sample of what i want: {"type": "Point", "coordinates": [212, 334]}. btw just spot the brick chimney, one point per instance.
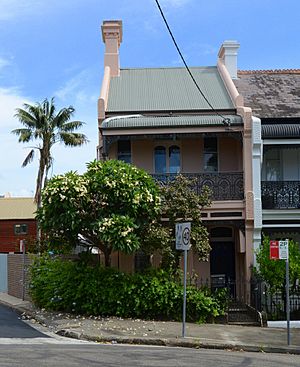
{"type": "Point", "coordinates": [112, 37]}
{"type": "Point", "coordinates": [228, 56]}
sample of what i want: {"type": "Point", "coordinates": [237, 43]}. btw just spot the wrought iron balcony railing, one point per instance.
{"type": "Point", "coordinates": [280, 194]}
{"type": "Point", "coordinates": [224, 186]}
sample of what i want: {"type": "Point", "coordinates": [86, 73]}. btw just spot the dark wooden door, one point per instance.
{"type": "Point", "coordinates": [222, 259]}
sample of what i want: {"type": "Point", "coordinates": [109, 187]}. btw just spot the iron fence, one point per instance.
{"type": "Point", "coordinates": [224, 186]}
{"type": "Point", "coordinates": [280, 194]}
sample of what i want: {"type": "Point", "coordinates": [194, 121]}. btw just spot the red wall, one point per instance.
{"type": "Point", "coordinates": [9, 241]}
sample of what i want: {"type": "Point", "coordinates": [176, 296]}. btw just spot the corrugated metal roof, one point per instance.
{"type": "Point", "coordinates": [17, 208]}
{"type": "Point", "coordinates": [132, 122]}
{"type": "Point", "coordinates": [167, 89]}
{"type": "Point", "coordinates": [280, 131]}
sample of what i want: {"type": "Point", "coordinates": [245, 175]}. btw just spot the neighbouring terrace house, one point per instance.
{"type": "Point", "coordinates": [274, 96]}
{"type": "Point", "coordinates": [156, 119]}
{"type": "Point", "coordinates": [17, 222]}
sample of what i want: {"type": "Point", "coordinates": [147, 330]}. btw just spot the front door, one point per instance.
{"type": "Point", "coordinates": [222, 260]}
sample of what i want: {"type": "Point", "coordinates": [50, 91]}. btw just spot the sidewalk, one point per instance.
{"type": "Point", "coordinates": [117, 330]}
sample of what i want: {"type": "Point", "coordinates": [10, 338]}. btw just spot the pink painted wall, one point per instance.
{"type": "Point", "coordinates": [230, 154]}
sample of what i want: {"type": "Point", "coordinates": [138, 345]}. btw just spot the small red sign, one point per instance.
{"type": "Point", "coordinates": [274, 250]}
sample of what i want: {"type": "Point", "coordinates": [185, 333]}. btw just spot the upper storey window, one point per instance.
{"type": "Point", "coordinates": [124, 150]}
{"type": "Point", "coordinates": [174, 159]}
{"type": "Point", "coordinates": [167, 160]}
{"type": "Point", "coordinates": [211, 155]}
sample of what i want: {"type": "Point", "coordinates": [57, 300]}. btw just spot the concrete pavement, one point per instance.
{"type": "Point", "coordinates": [135, 331]}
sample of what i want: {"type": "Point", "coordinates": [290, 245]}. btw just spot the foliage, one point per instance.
{"type": "Point", "coordinates": [108, 206]}
{"type": "Point", "coordinates": [78, 287]}
{"type": "Point", "coordinates": [180, 202]}
{"type": "Point", "coordinates": [273, 271]}
{"type": "Point", "coordinates": [44, 125]}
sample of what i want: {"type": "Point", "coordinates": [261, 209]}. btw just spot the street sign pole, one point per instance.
{"type": "Point", "coordinates": [287, 281]}
{"type": "Point", "coordinates": [183, 236]}
{"type": "Point", "coordinates": [184, 294]}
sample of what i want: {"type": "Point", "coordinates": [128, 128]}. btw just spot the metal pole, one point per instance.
{"type": "Point", "coordinates": [287, 282]}
{"type": "Point", "coordinates": [23, 273]}
{"type": "Point", "coordinates": [184, 294]}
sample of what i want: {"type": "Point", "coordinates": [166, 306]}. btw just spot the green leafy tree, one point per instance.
{"type": "Point", "coordinates": [273, 271]}
{"type": "Point", "coordinates": [108, 206]}
{"type": "Point", "coordinates": [46, 126]}
{"type": "Point", "coordinates": [180, 203]}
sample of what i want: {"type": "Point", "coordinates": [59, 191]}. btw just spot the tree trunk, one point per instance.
{"type": "Point", "coordinates": [107, 259]}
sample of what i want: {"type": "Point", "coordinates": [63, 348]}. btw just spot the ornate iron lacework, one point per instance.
{"type": "Point", "coordinates": [280, 194]}
{"type": "Point", "coordinates": [224, 186]}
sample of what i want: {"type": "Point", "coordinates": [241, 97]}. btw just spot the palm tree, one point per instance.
{"type": "Point", "coordinates": [44, 125]}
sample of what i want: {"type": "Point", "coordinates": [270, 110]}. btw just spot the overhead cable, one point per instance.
{"type": "Point", "coordinates": [226, 120]}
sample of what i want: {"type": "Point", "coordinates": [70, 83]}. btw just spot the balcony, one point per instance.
{"type": "Point", "coordinates": [280, 194]}
{"type": "Point", "coordinates": [224, 186]}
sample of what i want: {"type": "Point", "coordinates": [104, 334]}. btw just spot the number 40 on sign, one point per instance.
{"type": "Point", "coordinates": [183, 235]}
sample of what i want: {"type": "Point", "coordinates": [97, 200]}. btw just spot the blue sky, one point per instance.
{"type": "Point", "coordinates": [54, 48]}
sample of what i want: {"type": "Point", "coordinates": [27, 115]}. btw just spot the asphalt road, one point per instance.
{"type": "Point", "coordinates": [24, 346]}
{"type": "Point", "coordinates": [121, 355]}
{"type": "Point", "coordinates": [11, 326]}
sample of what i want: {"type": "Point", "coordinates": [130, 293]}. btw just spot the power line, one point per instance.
{"type": "Point", "coordinates": [226, 120]}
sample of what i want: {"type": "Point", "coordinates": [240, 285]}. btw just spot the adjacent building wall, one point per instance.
{"type": "Point", "coordinates": [9, 241]}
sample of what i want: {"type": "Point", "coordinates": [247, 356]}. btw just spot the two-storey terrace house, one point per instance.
{"type": "Point", "coordinates": [274, 96]}
{"type": "Point", "coordinates": [156, 119]}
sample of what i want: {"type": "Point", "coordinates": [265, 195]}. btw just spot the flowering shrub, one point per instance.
{"type": "Point", "coordinates": [108, 206]}
{"type": "Point", "coordinates": [80, 288]}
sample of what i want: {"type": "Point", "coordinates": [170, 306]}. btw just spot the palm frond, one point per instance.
{"type": "Point", "coordinates": [63, 116]}
{"type": "Point", "coordinates": [29, 158]}
{"type": "Point", "coordinates": [71, 126]}
{"type": "Point", "coordinates": [72, 139]}
{"type": "Point", "coordinates": [25, 135]}
{"type": "Point", "coordinates": [26, 118]}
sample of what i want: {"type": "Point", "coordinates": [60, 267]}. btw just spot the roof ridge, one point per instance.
{"type": "Point", "coordinates": [168, 67]}
{"type": "Point", "coordinates": [269, 71]}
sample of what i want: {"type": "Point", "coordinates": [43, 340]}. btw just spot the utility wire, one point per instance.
{"type": "Point", "coordinates": [226, 120]}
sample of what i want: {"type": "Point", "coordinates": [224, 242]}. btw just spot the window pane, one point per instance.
{"type": "Point", "coordinates": [210, 145]}
{"type": "Point", "coordinates": [273, 170]}
{"type": "Point", "coordinates": [160, 159]}
{"type": "Point", "coordinates": [272, 165]}
{"type": "Point", "coordinates": [124, 151]}
{"type": "Point", "coordinates": [20, 228]}
{"type": "Point", "coordinates": [210, 162]}
{"type": "Point", "coordinates": [210, 155]}
{"type": "Point", "coordinates": [174, 159]}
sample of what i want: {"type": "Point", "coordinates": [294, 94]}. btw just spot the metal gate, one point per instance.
{"type": "Point", "coordinates": [3, 273]}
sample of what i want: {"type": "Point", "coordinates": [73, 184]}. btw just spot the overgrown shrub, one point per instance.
{"type": "Point", "coordinates": [80, 288]}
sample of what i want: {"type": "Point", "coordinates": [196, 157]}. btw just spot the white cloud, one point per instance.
{"type": "Point", "coordinates": [13, 9]}
{"type": "Point", "coordinates": [77, 89]}
{"type": "Point", "coordinates": [13, 178]}
{"type": "Point", "coordinates": [10, 9]}
{"type": "Point", "coordinates": [10, 99]}
{"type": "Point", "coordinates": [3, 63]}
{"type": "Point", "coordinates": [174, 3]}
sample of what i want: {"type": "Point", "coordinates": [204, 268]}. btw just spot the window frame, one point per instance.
{"type": "Point", "coordinates": [21, 231]}
{"type": "Point", "coordinates": [167, 146]}
{"type": "Point", "coordinates": [211, 152]}
{"type": "Point", "coordinates": [125, 154]}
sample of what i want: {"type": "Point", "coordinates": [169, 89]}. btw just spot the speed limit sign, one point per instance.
{"type": "Point", "coordinates": [183, 236]}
